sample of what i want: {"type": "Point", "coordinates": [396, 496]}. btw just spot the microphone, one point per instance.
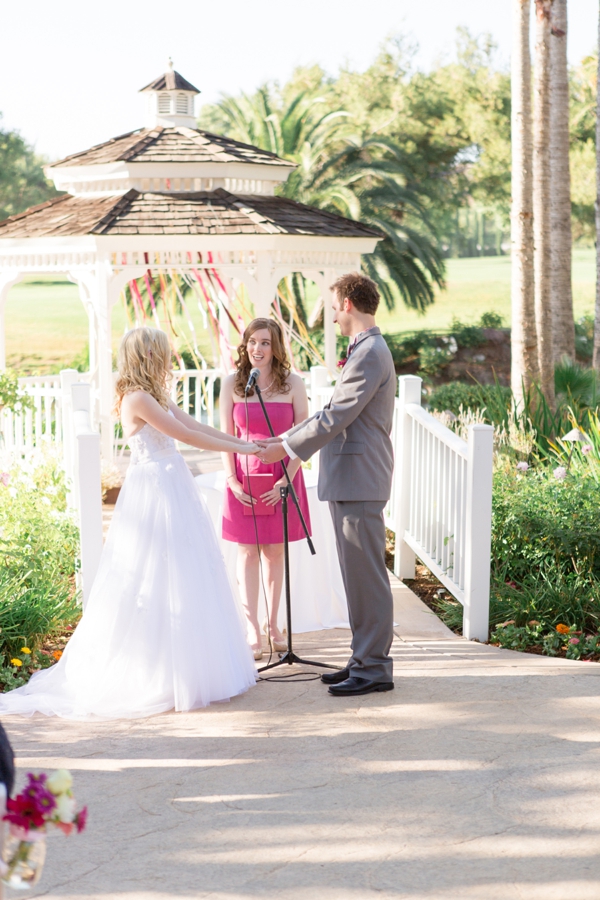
{"type": "Point", "coordinates": [252, 379]}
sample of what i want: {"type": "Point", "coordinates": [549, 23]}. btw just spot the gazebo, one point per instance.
{"type": "Point", "coordinates": [174, 198]}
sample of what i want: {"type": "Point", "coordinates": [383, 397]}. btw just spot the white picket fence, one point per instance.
{"type": "Point", "coordinates": [441, 502]}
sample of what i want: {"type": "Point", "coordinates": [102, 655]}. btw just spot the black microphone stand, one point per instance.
{"type": "Point", "coordinates": [289, 657]}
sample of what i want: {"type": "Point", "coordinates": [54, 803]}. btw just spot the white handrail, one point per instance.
{"type": "Point", "coordinates": [441, 508]}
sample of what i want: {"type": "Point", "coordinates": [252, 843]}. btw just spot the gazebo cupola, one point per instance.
{"type": "Point", "coordinates": [170, 100]}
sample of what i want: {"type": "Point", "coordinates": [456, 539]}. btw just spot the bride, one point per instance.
{"type": "Point", "coordinates": [161, 629]}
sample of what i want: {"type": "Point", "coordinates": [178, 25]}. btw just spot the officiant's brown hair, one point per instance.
{"type": "Point", "coordinates": [360, 290]}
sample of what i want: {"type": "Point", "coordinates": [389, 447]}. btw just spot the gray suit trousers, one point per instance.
{"type": "Point", "coordinates": [360, 537]}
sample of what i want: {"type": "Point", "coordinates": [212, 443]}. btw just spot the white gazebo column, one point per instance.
{"type": "Point", "coordinates": [103, 309]}
{"type": "Point", "coordinates": [265, 292]}
{"type": "Point", "coordinates": [7, 279]}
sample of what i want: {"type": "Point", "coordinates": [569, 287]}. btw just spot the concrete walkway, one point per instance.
{"type": "Point", "coordinates": [478, 777]}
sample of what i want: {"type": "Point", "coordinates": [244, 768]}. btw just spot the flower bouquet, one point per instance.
{"type": "Point", "coordinates": [44, 800]}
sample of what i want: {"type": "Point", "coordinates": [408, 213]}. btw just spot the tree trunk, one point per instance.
{"type": "Point", "coordinates": [596, 357]}
{"type": "Point", "coordinates": [563, 330]}
{"type": "Point", "coordinates": [524, 366]}
{"type": "Point", "coordinates": [542, 256]}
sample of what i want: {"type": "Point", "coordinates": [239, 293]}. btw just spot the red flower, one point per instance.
{"type": "Point", "coordinates": [342, 362]}
{"type": "Point", "coordinates": [81, 819]}
{"type": "Point", "coordinates": [24, 812]}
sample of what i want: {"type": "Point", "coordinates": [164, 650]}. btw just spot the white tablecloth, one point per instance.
{"type": "Point", "coordinates": [318, 596]}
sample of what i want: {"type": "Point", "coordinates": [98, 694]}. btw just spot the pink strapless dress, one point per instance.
{"type": "Point", "coordinates": [240, 528]}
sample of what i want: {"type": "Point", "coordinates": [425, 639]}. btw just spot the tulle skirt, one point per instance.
{"type": "Point", "coordinates": [161, 629]}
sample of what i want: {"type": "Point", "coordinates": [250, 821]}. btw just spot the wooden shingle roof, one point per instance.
{"type": "Point", "coordinates": [209, 213]}
{"type": "Point", "coordinates": [170, 81]}
{"type": "Point", "coordinates": [176, 145]}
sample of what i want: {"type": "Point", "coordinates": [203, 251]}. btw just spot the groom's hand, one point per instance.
{"type": "Point", "coordinates": [272, 453]}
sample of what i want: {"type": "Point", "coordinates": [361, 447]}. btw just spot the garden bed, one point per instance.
{"type": "Point", "coordinates": [39, 550]}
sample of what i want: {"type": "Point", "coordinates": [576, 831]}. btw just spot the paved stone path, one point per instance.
{"type": "Point", "coordinates": [478, 777]}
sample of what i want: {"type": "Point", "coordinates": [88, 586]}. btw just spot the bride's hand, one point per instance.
{"type": "Point", "coordinates": [248, 447]}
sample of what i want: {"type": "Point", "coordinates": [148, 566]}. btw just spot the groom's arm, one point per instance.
{"type": "Point", "coordinates": [360, 384]}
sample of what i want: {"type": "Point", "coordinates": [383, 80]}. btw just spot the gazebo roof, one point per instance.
{"type": "Point", "coordinates": [177, 144]}
{"type": "Point", "coordinates": [170, 81]}
{"type": "Point", "coordinates": [203, 213]}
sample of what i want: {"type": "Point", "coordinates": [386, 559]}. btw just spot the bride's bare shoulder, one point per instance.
{"type": "Point", "coordinates": [133, 400]}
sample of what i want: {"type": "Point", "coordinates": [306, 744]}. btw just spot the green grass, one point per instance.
{"type": "Point", "coordinates": [482, 284]}
{"type": "Point", "coordinates": [46, 324]}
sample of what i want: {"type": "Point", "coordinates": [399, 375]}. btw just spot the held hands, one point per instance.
{"type": "Point", "coordinates": [247, 447]}
{"type": "Point", "coordinates": [272, 451]}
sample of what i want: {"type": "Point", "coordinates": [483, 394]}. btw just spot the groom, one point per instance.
{"type": "Point", "coordinates": [355, 476]}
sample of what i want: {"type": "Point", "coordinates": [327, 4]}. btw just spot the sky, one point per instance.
{"type": "Point", "coordinates": [70, 71]}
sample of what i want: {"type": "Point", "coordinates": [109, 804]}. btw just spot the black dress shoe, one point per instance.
{"type": "Point", "coordinates": [356, 685]}
{"type": "Point", "coordinates": [335, 677]}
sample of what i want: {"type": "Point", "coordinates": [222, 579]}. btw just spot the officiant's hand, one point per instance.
{"type": "Point", "coordinates": [273, 496]}
{"type": "Point", "coordinates": [272, 453]}
{"type": "Point", "coordinates": [238, 491]}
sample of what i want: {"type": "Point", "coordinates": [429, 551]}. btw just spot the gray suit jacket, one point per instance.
{"type": "Point", "coordinates": [353, 431]}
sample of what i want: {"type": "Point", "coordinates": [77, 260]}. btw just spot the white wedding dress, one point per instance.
{"type": "Point", "coordinates": [161, 629]}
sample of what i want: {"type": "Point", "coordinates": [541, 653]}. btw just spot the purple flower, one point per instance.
{"type": "Point", "coordinates": [586, 449]}
{"type": "Point", "coordinates": [522, 466]}
{"type": "Point", "coordinates": [37, 791]}
{"type": "Point", "coordinates": [560, 473]}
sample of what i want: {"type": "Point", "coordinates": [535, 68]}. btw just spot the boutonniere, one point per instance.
{"type": "Point", "coordinates": [342, 362]}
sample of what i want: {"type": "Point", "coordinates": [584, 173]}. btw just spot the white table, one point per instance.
{"type": "Point", "coordinates": [318, 596]}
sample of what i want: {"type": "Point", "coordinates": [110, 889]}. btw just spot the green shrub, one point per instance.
{"type": "Point", "coordinates": [38, 555]}
{"type": "Point", "coordinates": [470, 396]}
{"type": "Point", "coordinates": [467, 335]}
{"type": "Point", "coordinates": [11, 396]}
{"type": "Point", "coordinates": [541, 523]}
{"type": "Point", "coordinates": [545, 562]}
{"type": "Point", "coordinates": [491, 320]}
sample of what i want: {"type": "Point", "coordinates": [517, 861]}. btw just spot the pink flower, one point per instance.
{"type": "Point", "coordinates": [560, 473]}
{"type": "Point", "coordinates": [4, 478]}
{"type": "Point", "coordinates": [81, 819]}
{"type": "Point", "coordinates": [586, 449]}
{"type": "Point", "coordinates": [342, 362]}
{"type": "Point", "coordinates": [522, 466]}
{"type": "Point", "coordinates": [574, 641]}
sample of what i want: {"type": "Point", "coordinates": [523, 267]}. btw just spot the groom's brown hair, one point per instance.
{"type": "Point", "coordinates": [360, 290]}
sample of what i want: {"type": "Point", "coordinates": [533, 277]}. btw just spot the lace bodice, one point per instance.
{"type": "Point", "coordinates": [149, 445]}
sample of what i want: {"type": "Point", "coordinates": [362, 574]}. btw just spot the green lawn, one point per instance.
{"type": "Point", "coordinates": [46, 324]}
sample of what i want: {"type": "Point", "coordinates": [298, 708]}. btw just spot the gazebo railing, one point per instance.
{"type": "Point", "coordinates": [194, 390]}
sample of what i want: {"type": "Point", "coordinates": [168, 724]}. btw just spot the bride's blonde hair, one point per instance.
{"type": "Point", "coordinates": [144, 364]}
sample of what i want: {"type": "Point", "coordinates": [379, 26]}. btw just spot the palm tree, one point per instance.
{"type": "Point", "coordinates": [596, 356]}
{"type": "Point", "coordinates": [563, 330]}
{"type": "Point", "coordinates": [542, 257]}
{"type": "Point", "coordinates": [362, 179]}
{"type": "Point", "coordinates": [524, 368]}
